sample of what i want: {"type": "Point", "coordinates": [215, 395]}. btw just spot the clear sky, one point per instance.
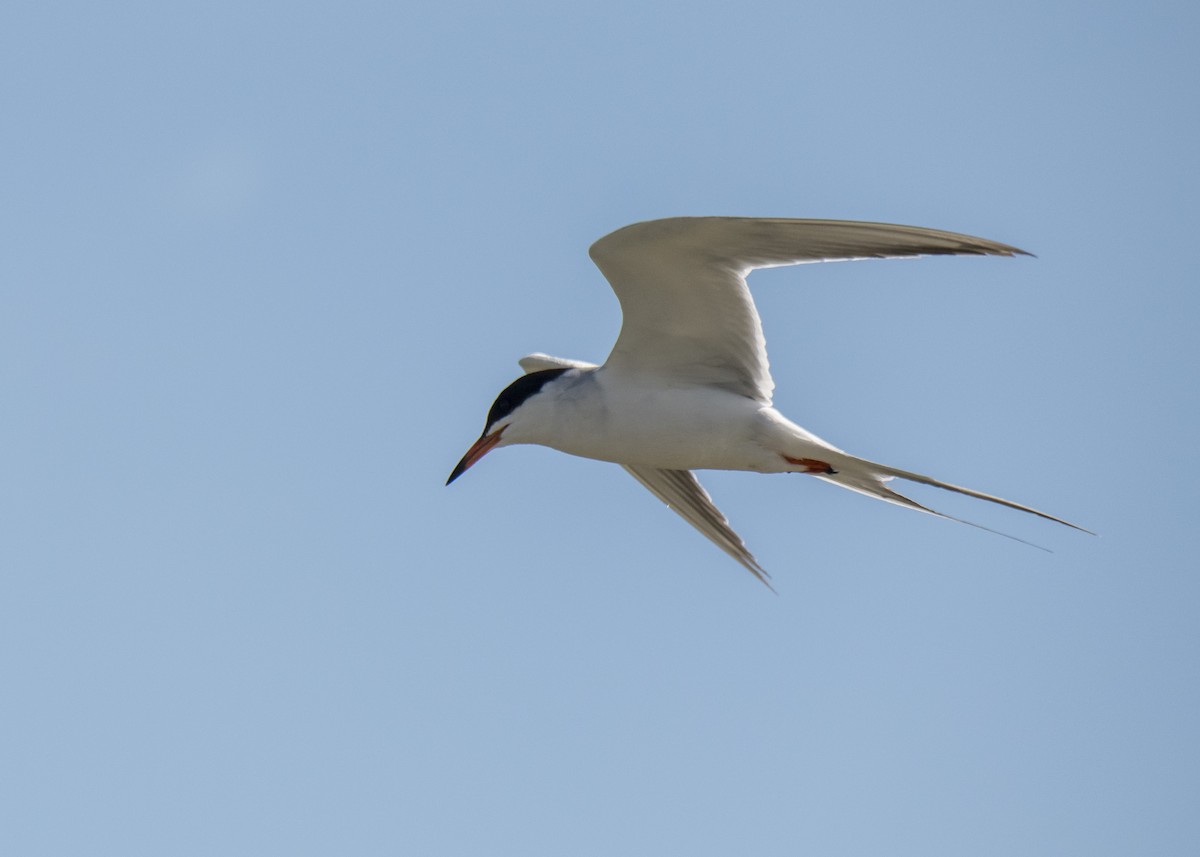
{"type": "Point", "coordinates": [266, 265]}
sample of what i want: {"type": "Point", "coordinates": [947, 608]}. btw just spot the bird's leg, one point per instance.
{"type": "Point", "coordinates": [810, 465]}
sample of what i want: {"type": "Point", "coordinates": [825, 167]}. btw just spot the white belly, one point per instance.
{"type": "Point", "coordinates": [683, 428]}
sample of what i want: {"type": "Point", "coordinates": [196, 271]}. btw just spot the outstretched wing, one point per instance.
{"type": "Point", "coordinates": [683, 493]}
{"type": "Point", "coordinates": [687, 313]}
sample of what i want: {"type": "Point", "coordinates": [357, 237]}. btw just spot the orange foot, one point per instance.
{"type": "Point", "coordinates": [810, 465]}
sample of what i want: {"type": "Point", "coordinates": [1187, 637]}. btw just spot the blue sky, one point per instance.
{"type": "Point", "coordinates": [266, 266]}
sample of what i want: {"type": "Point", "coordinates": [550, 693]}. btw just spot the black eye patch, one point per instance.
{"type": "Point", "coordinates": [515, 394]}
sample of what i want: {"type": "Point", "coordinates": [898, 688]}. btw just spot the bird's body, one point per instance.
{"type": "Point", "coordinates": [686, 386]}
{"type": "Point", "coordinates": [628, 418]}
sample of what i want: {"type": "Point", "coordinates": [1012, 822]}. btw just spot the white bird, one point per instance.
{"type": "Point", "coordinates": [686, 386]}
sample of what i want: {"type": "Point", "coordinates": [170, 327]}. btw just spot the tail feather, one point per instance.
{"type": "Point", "coordinates": [870, 478]}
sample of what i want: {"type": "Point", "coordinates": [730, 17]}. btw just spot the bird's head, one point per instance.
{"type": "Point", "coordinates": [510, 417]}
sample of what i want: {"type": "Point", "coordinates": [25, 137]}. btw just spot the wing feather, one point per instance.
{"type": "Point", "coordinates": [687, 312]}
{"type": "Point", "coordinates": [683, 493]}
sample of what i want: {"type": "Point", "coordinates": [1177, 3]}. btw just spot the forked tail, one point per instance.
{"type": "Point", "coordinates": [870, 478]}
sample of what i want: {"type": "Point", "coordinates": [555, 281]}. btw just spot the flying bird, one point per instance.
{"type": "Point", "coordinates": [686, 386]}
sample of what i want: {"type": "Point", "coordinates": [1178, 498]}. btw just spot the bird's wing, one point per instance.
{"type": "Point", "coordinates": [687, 313]}
{"type": "Point", "coordinates": [684, 494]}
{"type": "Point", "coordinates": [538, 361]}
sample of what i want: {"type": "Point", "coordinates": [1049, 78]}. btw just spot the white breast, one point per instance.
{"type": "Point", "coordinates": [631, 419]}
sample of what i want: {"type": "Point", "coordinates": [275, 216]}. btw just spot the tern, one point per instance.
{"type": "Point", "coordinates": [686, 386]}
